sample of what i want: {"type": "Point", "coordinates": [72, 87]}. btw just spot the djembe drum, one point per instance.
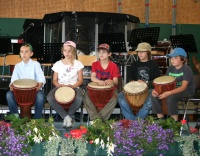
{"type": "Point", "coordinates": [65, 96]}
{"type": "Point", "coordinates": [25, 92]}
{"type": "Point", "coordinates": [136, 94]}
{"type": "Point", "coordinates": [100, 95]}
{"type": "Point", "coordinates": [163, 84]}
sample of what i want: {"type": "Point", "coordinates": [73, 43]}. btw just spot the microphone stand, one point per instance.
{"type": "Point", "coordinates": [76, 30]}
{"type": "Point", "coordinates": [75, 27]}
{"type": "Point", "coordinates": [24, 33]}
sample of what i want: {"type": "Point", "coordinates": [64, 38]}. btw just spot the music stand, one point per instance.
{"type": "Point", "coordinates": [115, 40]}
{"type": "Point", "coordinates": [149, 35]}
{"type": "Point", "coordinates": [186, 42]}
{"type": "Point", "coordinates": [48, 52]}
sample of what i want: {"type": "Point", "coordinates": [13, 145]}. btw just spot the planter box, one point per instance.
{"type": "Point", "coordinates": [94, 150]}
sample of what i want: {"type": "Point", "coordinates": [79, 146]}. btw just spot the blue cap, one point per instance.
{"type": "Point", "coordinates": [177, 52]}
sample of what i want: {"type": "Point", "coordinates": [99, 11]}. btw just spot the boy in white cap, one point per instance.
{"type": "Point", "coordinates": [145, 70]}
{"type": "Point", "coordinates": [67, 72]}
{"type": "Point", "coordinates": [184, 85]}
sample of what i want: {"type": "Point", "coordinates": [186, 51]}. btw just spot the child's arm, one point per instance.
{"type": "Point", "coordinates": [114, 81]}
{"type": "Point", "coordinates": [94, 79]}
{"type": "Point", "coordinates": [55, 80]}
{"type": "Point", "coordinates": [182, 88]}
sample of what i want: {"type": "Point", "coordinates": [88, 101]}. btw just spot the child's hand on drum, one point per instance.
{"type": "Point", "coordinates": [154, 93]}
{"type": "Point", "coordinates": [39, 85]}
{"type": "Point", "coordinates": [11, 87]}
{"type": "Point", "coordinates": [164, 95]}
{"type": "Point", "coordinates": [101, 83]}
{"type": "Point", "coordinates": [108, 82]}
{"type": "Point", "coordinates": [69, 85]}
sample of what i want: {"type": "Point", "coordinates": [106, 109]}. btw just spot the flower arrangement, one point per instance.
{"type": "Point", "coordinates": [73, 144]}
{"type": "Point", "coordinates": [35, 130]}
{"type": "Point", "coordinates": [12, 144]}
{"type": "Point", "coordinates": [139, 137]}
{"type": "Point", "coordinates": [101, 134]}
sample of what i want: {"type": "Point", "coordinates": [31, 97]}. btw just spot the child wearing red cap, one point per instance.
{"type": "Point", "coordinates": [104, 72]}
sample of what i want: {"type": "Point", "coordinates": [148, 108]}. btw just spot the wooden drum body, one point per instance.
{"type": "Point", "coordinates": [25, 92]}
{"type": "Point", "coordinates": [65, 96]}
{"type": "Point", "coordinates": [100, 95]}
{"type": "Point", "coordinates": [163, 84]}
{"type": "Point", "coordinates": [136, 94]}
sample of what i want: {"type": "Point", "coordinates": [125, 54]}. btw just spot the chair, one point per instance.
{"type": "Point", "coordinates": [195, 99]}
{"type": "Point", "coordinates": [46, 68]}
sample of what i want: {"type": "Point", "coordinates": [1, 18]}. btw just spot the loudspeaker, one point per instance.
{"type": "Point", "coordinates": [4, 87]}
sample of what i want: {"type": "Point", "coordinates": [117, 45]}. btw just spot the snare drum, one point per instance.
{"type": "Point", "coordinates": [65, 96]}
{"type": "Point", "coordinates": [25, 92]}
{"type": "Point", "coordinates": [163, 84]}
{"type": "Point", "coordinates": [100, 95]}
{"type": "Point", "coordinates": [136, 94]}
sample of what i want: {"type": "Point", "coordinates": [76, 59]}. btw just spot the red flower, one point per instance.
{"type": "Point", "coordinates": [125, 123]}
{"type": "Point", "coordinates": [91, 142]}
{"type": "Point", "coordinates": [82, 127]}
{"type": "Point", "coordinates": [193, 130]}
{"type": "Point", "coordinates": [183, 121]}
{"type": "Point", "coordinates": [67, 135]}
{"type": "Point", "coordinates": [76, 133]}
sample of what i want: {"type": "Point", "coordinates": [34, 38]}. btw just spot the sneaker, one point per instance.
{"type": "Point", "coordinates": [67, 120]}
{"type": "Point", "coordinates": [70, 124]}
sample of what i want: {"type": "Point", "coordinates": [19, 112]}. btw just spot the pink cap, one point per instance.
{"type": "Point", "coordinates": [70, 43]}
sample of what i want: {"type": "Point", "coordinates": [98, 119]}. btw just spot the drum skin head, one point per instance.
{"type": "Point", "coordinates": [164, 80]}
{"type": "Point", "coordinates": [135, 87]}
{"type": "Point", "coordinates": [64, 94]}
{"type": "Point", "coordinates": [25, 83]}
{"type": "Point", "coordinates": [96, 86]}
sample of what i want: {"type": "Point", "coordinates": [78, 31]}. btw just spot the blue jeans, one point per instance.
{"type": "Point", "coordinates": [39, 103]}
{"type": "Point", "coordinates": [127, 111]}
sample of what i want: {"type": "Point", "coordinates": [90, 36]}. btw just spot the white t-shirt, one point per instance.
{"type": "Point", "coordinates": [67, 74]}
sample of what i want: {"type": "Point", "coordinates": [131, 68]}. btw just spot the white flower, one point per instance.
{"type": "Point", "coordinates": [110, 147]}
{"type": "Point", "coordinates": [36, 140]}
{"type": "Point", "coordinates": [102, 143]}
{"type": "Point", "coordinates": [35, 129]}
{"type": "Point", "coordinates": [96, 141]}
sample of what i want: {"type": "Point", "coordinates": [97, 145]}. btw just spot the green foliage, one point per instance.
{"type": "Point", "coordinates": [100, 129]}
{"type": "Point", "coordinates": [169, 123]}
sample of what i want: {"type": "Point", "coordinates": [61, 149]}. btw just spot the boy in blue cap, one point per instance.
{"type": "Point", "coordinates": [184, 84]}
